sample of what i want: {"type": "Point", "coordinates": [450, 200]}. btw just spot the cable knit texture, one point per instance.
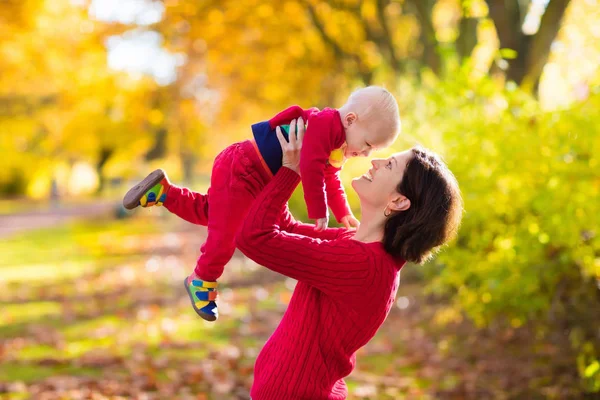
{"type": "Point", "coordinates": [344, 293]}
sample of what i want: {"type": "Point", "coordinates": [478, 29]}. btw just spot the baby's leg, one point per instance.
{"type": "Point", "coordinates": [237, 178]}
{"type": "Point", "coordinates": [156, 190]}
{"type": "Point", "coordinates": [231, 194]}
{"type": "Point", "coordinates": [188, 205]}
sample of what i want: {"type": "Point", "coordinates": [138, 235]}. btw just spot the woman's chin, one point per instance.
{"type": "Point", "coordinates": [357, 184]}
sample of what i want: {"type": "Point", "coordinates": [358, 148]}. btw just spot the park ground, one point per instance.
{"type": "Point", "coordinates": [92, 307]}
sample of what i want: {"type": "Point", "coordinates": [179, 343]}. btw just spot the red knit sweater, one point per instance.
{"type": "Point", "coordinates": [344, 293]}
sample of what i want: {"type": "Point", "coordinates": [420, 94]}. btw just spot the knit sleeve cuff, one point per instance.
{"type": "Point", "coordinates": [173, 194]}
{"type": "Point", "coordinates": [287, 180]}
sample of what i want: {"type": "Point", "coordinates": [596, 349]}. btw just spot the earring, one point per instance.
{"type": "Point", "coordinates": [387, 212]}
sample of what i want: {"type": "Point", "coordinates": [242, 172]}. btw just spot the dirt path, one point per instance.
{"type": "Point", "coordinates": [52, 216]}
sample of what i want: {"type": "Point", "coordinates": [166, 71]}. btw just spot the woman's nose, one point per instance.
{"type": "Point", "coordinates": [375, 163]}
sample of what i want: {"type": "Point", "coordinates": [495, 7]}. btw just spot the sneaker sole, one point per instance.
{"type": "Point", "coordinates": [133, 196]}
{"type": "Point", "coordinates": [205, 316]}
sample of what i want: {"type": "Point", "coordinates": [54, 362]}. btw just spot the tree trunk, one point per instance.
{"type": "Point", "coordinates": [532, 50]}
{"type": "Point", "coordinates": [467, 37]}
{"type": "Point", "coordinates": [159, 149]}
{"type": "Point", "coordinates": [431, 57]}
{"type": "Point", "coordinates": [105, 154]}
{"type": "Point", "coordinates": [507, 18]}
{"type": "Point", "coordinates": [541, 43]}
{"type": "Point", "coordinates": [188, 160]}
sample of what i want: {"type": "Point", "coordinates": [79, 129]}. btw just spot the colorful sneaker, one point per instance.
{"type": "Point", "coordinates": [152, 191]}
{"type": "Point", "coordinates": [203, 295]}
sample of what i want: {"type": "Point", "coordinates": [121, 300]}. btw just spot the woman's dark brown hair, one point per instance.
{"type": "Point", "coordinates": [435, 209]}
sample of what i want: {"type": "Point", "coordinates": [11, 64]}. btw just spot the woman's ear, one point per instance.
{"type": "Point", "coordinates": [350, 118]}
{"type": "Point", "coordinates": [399, 203]}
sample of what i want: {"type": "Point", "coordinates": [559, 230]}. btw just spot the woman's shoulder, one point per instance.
{"type": "Point", "coordinates": [347, 234]}
{"type": "Point", "coordinates": [374, 250]}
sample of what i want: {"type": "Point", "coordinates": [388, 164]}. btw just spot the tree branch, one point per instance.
{"type": "Point", "coordinates": [365, 73]}
{"type": "Point", "coordinates": [383, 40]}
{"type": "Point", "coordinates": [13, 105]}
{"type": "Point", "coordinates": [373, 36]}
{"type": "Point", "coordinates": [328, 40]}
{"type": "Point", "coordinates": [340, 5]}
{"type": "Point", "coordinates": [386, 36]}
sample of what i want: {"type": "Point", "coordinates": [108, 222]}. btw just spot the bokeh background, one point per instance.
{"type": "Point", "coordinates": [94, 94]}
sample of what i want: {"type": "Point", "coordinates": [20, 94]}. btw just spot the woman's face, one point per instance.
{"type": "Point", "coordinates": [378, 185]}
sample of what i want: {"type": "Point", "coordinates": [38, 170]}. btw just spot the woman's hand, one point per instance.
{"type": "Point", "coordinates": [291, 149]}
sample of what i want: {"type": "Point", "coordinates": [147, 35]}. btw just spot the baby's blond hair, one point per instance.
{"type": "Point", "coordinates": [376, 106]}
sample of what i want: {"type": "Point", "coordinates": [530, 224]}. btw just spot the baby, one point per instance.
{"type": "Point", "coordinates": [369, 120]}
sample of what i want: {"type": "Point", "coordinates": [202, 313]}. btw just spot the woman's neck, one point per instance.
{"type": "Point", "coordinates": [371, 227]}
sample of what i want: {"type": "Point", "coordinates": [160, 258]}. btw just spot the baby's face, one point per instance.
{"type": "Point", "coordinates": [361, 140]}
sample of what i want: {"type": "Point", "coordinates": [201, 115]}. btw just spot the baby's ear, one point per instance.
{"type": "Point", "coordinates": [350, 118]}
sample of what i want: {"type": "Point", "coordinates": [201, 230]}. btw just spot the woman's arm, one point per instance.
{"type": "Point", "coordinates": [336, 195]}
{"type": "Point", "coordinates": [336, 267]}
{"type": "Point", "coordinates": [289, 224]}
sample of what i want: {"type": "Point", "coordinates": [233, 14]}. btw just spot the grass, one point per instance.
{"type": "Point", "coordinates": [97, 290]}
{"type": "Point", "coordinates": [26, 373]}
{"type": "Point", "coordinates": [71, 244]}
{"type": "Point", "coordinates": [102, 300]}
{"type": "Point", "coordinates": [20, 313]}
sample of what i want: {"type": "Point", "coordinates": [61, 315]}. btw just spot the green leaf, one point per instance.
{"type": "Point", "coordinates": [592, 369]}
{"type": "Point", "coordinates": [508, 54]}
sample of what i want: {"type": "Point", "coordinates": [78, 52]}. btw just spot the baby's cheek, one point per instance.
{"type": "Point", "coordinates": [349, 151]}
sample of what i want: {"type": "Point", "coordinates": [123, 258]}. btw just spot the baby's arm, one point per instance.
{"type": "Point", "coordinates": [316, 147]}
{"type": "Point", "coordinates": [290, 113]}
{"type": "Point", "coordinates": [336, 195]}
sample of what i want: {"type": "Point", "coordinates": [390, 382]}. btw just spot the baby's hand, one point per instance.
{"type": "Point", "coordinates": [350, 222]}
{"type": "Point", "coordinates": [321, 224]}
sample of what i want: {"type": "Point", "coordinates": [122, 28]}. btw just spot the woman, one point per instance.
{"type": "Point", "coordinates": [347, 279]}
